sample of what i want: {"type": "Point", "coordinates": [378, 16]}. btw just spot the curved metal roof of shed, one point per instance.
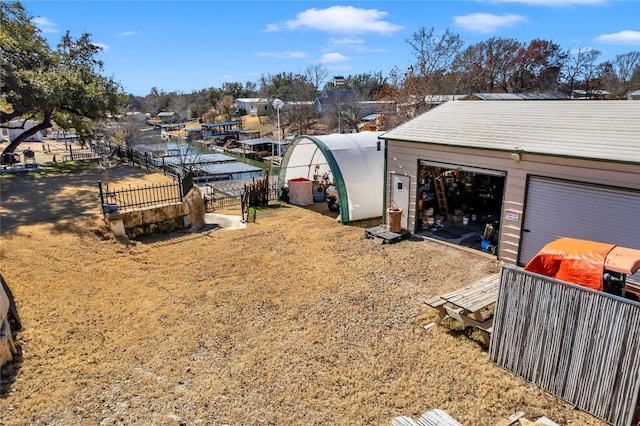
{"type": "Point", "coordinates": [597, 130]}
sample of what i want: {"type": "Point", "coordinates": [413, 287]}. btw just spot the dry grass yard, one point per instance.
{"type": "Point", "coordinates": [295, 320]}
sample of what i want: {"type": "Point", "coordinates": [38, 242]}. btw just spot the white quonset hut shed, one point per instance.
{"type": "Point", "coordinates": [542, 169]}
{"type": "Point", "coordinates": [354, 163]}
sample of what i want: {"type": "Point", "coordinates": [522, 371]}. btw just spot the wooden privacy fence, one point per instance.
{"type": "Point", "coordinates": [580, 345]}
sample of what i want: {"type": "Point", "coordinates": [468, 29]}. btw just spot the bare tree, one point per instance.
{"type": "Point", "coordinates": [579, 65]}
{"type": "Point", "coordinates": [434, 54]}
{"type": "Point", "coordinates": [126, 132]}
{"type": "Point", "coordinates": [316, 75]}
{"type": "Point", "coordinates": [622, 74]}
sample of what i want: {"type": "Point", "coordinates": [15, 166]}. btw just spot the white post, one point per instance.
{"type": "Point", "coordinates": [279, 140]}
{"type": "Point", "coordinates": [277, 104]}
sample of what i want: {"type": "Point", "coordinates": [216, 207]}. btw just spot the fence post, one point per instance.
{"type": "Point", "coordinates": [101, 195]}
{"type": "Point", "coordinates": [70, 151]}
{"type": "Point", "coordinates": [186, 183]}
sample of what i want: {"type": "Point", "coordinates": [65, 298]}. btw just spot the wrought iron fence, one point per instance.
{"type": "Point", "coordinates": [133, 198]}
{"type": "Point", "coordinates": [215, 202]}
{"type": "Point", "coordinates": [81, 154]}
{"type": "Point", "coordinates": [258, 193]}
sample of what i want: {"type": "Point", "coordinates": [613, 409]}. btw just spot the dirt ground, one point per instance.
{"type": "Point", "coordinates": [295, 319]}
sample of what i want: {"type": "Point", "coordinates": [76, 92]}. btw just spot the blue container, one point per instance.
{"type": "Point", "coordinates": [485, 244]}
{"type": "Point", "coordinates": [318, 194]}
{"type": "Point", "coordinates": [109, 208]}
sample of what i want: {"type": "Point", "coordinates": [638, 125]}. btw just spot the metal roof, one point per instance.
{"type": "Point", "coordinates": [196, 159]}
{"type": "Point", "coordinates": [257, 141]}
{"type": "Point", "coordinates": [600, 130]}
{"type": "Point", "coordinates": [221, 123]}
{"type": "Point", "coordinates": [370, 117]}
{"type": "Point", "coordinates": [261, 141]}
{"type": "Point", "coordinates": [518, 96]}
{"type": "Point", "coordinates": [228, 168]}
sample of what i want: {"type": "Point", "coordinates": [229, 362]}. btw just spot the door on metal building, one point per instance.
{"type": "Point", "coordinates": [400, 196]}
{"type": "Point", "coordinates": [558, 208]}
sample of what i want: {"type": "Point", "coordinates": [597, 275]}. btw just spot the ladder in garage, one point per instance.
{"type": "Point", "coordinates": [441, 190]}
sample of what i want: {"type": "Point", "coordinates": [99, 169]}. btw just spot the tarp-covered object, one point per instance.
{"type": "Point", "coordinates": [572, 260]}
{"type": "Point", "coordinates": [354, 163]}
{"type": "Point", "coordinates": [300, 191]}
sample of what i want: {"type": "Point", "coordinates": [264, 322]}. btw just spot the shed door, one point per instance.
{"type": "Point", "coordinates": [557, 208]}
{"type": "Point", "coordinates": [400, 197]}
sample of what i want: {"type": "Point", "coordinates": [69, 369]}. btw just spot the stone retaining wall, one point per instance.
{"type": "Point", "coordinates": [186, 215]}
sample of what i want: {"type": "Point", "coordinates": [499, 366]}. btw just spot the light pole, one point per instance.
{"type": "Point", "coordinates": [277, 104]}
{"type": "Point", "coordinates": [339, 115]}
{"type": "Point", "coordinates": [338, 82]}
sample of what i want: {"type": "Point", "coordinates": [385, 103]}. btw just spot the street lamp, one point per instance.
{"type": "Point", "coordinates": [277, 104]}
{"type": "Point", "coordinates": [338, 82]}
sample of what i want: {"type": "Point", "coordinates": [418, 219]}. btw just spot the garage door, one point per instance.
{"type": "Point", "coordinates": [556, 209]}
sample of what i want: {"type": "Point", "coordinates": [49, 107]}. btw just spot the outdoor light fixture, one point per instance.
{"type": "Point", "coordinates": [515, 157]}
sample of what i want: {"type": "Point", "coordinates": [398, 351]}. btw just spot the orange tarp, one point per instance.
{"type": "Point", "coordinates": [571, 260]}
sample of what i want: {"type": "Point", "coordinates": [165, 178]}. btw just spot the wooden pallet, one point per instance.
{"type": "Point", "coordinates": [382, 235]}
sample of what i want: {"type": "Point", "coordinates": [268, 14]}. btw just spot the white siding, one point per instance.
{"type": "Point", "coordinates": [403, 157]}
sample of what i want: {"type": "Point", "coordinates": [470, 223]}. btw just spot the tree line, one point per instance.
{"type": "Point", "coordinates": [64, 85]}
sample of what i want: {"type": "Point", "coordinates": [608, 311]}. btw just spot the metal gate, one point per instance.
{"type": "Point", "coordinates": [559, 208]}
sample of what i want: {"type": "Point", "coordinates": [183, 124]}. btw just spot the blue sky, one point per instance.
{"type": "Point", "coordinates": [191, 45]}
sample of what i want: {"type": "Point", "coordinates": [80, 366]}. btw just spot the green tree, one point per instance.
{"type": "Point", "coordinates": [46, 86]}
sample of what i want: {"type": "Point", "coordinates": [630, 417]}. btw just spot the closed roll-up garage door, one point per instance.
{"type": "Point", "coordinates": [556, 209]}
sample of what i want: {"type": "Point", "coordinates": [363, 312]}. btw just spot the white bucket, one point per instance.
{"type": "Point", "coordinates": [465, 220]}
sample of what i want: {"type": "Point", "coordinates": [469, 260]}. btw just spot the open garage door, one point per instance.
{"type": "Point", "coordinates": [558, 208]}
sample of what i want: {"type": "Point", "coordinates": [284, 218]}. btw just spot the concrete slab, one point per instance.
{"type": "Point", "coordinates": [224, 222]}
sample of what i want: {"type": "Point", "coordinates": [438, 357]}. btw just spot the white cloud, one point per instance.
{"type": "Point", "coordinates": [487, 23]}
{"type": "Point", "coordinates": [45, 25]}
{"type": "Point", "coordinates": [554, 3]}
{"type": "Point", "coordinates": [626, 37]}
{"type": "Point", "coordinates": [127, 33]}
{"type": "Point", "coordinates": [346, 41]}
{"type": "Point", "coordinates": [333, 58]}
{"type": "Point", "coordinates": [339, 19]}
{"type": "Point", "coordinates": [351, 45]}
{"type": "Point", "coordinates": [284, 54]}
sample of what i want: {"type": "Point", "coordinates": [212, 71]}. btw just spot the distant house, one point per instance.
{"type": "Point", "coordinates": [590, 94]}
{"type": "Point", "coordinates": [167, 117]}
{"type": "Point", "coordinates": [255, 107]}
{"type": "Point", "coordinates": [634, 96]}
{"type": "Point", "coordinates": [329, 100]}
{"type": "Point", "coordinates": [136, 116]}
{"type": "Point", "coordinates": [17, 128]}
